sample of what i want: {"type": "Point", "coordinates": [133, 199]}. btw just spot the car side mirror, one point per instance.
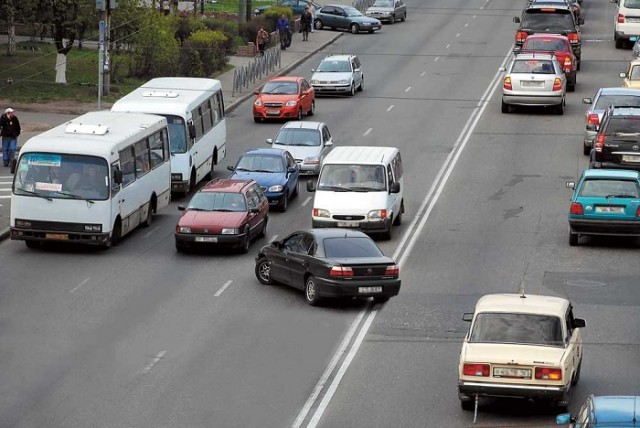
{"type": "Point", "coordinates": [182, 208]}
{"type": "Point", "coordinates": [580, 21]}
{"type": "Point", "coordinates": [564, 419]}
{"type": "Point", "coordinates": [587, 101]}
{"type": "Point", "coordinates": [502, 68]}
{"type": "Point", "coordinates": [276, 244]}
{"type": "Point", "coordinates": [579, 323]}
{"type": "Point", "coordinates": [357, 70]}
{"type": "Point", "coordinates": [231, 168]}
{"type": "Point", "coordinates": [591, 127]}
{"type": "Point", "coordinates": [313, 70]}
{"type": "Point", "coordinates": [311, 186]}
{"type": "Point", "coordinates": [256, 92]}
{"type": "Point", "coordinates": [192, 131]}
{"type": "Point", "coordinates": [623, 75]}
{"type": "Point", "coordinates": [467, 316]}
{"type": "Point", "coordinates": [516, 20]}
{"type": "Point", "coordinates": [117, 176]}
{"type": "Point", "coordinates": [328, 143]}
{"type": "Point", "coordinates": [269, 140]}
{"type": "Point", "coordinates": [395, 187]}
{"type": "Point", "coordinates": [254, 210]}
{"type": "Point", "coordinates": [517, 49]}
{"type": "Point", "coordinates": [570, 185]}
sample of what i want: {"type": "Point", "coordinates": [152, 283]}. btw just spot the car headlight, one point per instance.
{"type": "Point", "coordinates": [314, 81]}
{"type": "Point", "coordinates": [258, 103]}
{"type": "Point", "coordinates": [321, 212]}
{"type": "Point", "coordinates": [231, 231]}
{"type": "Point", "coordinates": [277, 188]}
{"type": "Point", "coordinates": [343, 81]}
{"type": "Point", "coordinates": [377, 214]}
{"type": "Point", "coordinates": [184, 229]}
{"type": "Point", "coordinates": [23, 223]}
{"type": "Point", "coordinates": [176, 177]}
{"type": "Point", "coordinates": [291, 103]}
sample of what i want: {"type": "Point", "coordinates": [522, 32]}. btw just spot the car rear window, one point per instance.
{"type": "Point", "coordinates": [348, 247]}
{"type": "Point", "coordinates": [623, 125]}
{"type": "Point", "coordinates": [547, 19]}
{"type": "Point", "coordinates": [605, 101]}
{"type": "Point", "coordinates": [546, 45]}
{"type": "Point", "coordinates": [599, 188]}
{"type": "Point", "coordinates": [632, 4]}
{"type": "Point", "coordinates": [490, 327]}
{"type": "Point", "coordinates": [533, 66]}
{"type": "Point", "coordinates": [298, 137]}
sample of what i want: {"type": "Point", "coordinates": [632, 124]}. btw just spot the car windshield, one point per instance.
{"type": "Point", "coordinates": [352, 11]}
{"type": "Point", "coordinates": [260, 163]}
{"type": "Point", "coordinates": [537, 19]}
{"type": "Point", "coordinates": [383, 3]}
{"type": "Point", "coordinates": [546, 45]}
{"type": "Point", "coordinates": [529, 329]}
{"type": "Point", "coordinates": [289, 88]}
{"type": "Point", "coordinates": [217, 201]}
{"type": "Point", "coordinates": [298, 137]}
{"type": "Point", "coordinates": [619, 126]}
{"type": "Point", "coordinates": [535, 66]}
{"type": "Point", "coordinates": [348, 247]}
{"type": "Point", "coordinates": [334, 66]}
{"type": "Point", "coordinates": [363, 178]}
{"type": "Point", "coordinates": [177, 134]}
{"type": "Point", "coordinates": [606, 188]}
{"type": "Point", "coordinates": [605, 101]}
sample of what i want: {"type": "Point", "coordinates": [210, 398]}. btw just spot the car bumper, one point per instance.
{"type": "Point", "coordinates": [309, 169]}
{"type": "Point", "coordinates": [532, 100]}
{"type": "Point", "coordinates": [628, 31]}
{"type": "Point", "coordinates": [276, 113]}
{"type": "Point", "coordinates": [180, 186]}
{"type": "Point", "coordinates": [468, 389]}
{"type": "Point", "coordinates": [191, 239]}
{"type": "Point", "coordinates": [40, 235]}
{"type": "Point", "coordinates": [381, 17]}
{"type": "Point", "coordinates": [275, 199]}
{"type": "Point", "coordinates": [332, 89]}
{"type": "Point", "coordinates": [367, 226]}
{"type": "Point", "coordinates": [330, 288]}
{"type": "Point", "coordinates": [589, 137]}
{"type": "Point", "coordinates": [605, 227]}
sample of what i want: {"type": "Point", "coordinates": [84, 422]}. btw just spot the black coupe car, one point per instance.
{"type": "Point", "coordinates": [329, 263]}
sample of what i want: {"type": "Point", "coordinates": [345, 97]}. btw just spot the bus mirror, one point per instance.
{"type": "Point", "coordinates": [117, 176]}
{"type": "Point", "coordinates": [192, 130]}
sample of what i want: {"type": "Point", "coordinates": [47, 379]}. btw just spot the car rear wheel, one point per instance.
{"type": "Point", "coordinates": [619, 42]}
{"type": "Point", "coordinates": [361, 87]}
{"type": "Point", "coordinates": [560, 108]}
{"type": "Point", "coordinates": [354, 28]}
{"type": "Point", "coordinates": [311, 292]}
{"type": "Point", "coordinates": [263, 271]}
{"type": "Point", "coordinates": [586, 150]}
{"type": "Point", "coordinates": [571, 86]}
{"type": "Point", "coordinates": [505, 107]}
{"type": "Point", "coordinates": [573, 238]}
{"type": "Point", "coordinates": [318, 24]}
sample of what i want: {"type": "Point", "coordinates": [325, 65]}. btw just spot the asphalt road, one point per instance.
{"type": "Point", "coordinates": [140, 336]}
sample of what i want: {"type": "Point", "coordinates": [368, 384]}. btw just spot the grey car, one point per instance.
{"type": "Point", "coordinates": [605, 97]}
{"type": "Point", "coordinates": [388, 10]}
{"type": "Point", "coordinates": [338, 74]}
{"type": "Point", "coordinates": [345, 18]}
{"type": "Point", "coordinates": [308, 143]}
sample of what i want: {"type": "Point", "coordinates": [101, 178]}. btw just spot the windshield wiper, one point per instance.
{"type": "Point", "coordinates": [335, 188]}
{"type": "Point", "coordinates": [262, 170]}
{"type": "Point", "coordinates": [195, 209]}
{"type": "Point", "coordinates": [244, 169]}
{"type": "Point", "coordinates": [365, 189]}
{"type": "Point", "coordinates": [73, 196]}
{"type": "Point", "coordinates": [623, 195]}
{"type": "Point", "coordinates": [48, 198]}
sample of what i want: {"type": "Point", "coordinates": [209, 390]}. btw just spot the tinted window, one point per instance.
{"type": "Point", "coordinates": [298, 137]}
{"type": "Point", "coordinates": [535, 66]}
{"type": "Point", "coordinates": [546, 45]}
{"type": "Point", "coordinates": [605, 101]}
{"type": "Point", "coordinates": [177, 134]}
{"type": "Point", "coordinates": [278, 87]}
{"type": "Point", "coordinates": [261, 163]}
{"type": "Point", "coordinates": [623, 125]}
{"type": "Point", "coordinates": [537, 19]}
{"type": "Point", "coordinates": [217, 201]}
{"type": "Point", "coordinates": [337, 248]}
{"type": "Point", "coordinates": [632, 4]}
{"type": "Point", "coordinates": [517, 328]}
{"type": "Point", "coordinates": [604, 188]}
{"type": "Point", "coordinates": [334, 66]}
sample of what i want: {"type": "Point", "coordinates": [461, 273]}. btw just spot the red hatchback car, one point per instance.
{"type": "Point", "coordinates": [224, 212]}
{"type": "Point", "coordinates": [560, 46]}
{"type": "Point", "coordinates": [284, 98]}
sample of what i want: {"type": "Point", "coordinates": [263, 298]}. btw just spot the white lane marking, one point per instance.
{"type": "Point", "coordinates": [390, 108]}
{"type": "Point", "coordinates": [428, 203]}
{"type": "Point", "coordinates": [332, 364]}
{"type": "Point", "coordinates": [273, 238]}
{"type": "Point", "coordinates": [306, 201]}
{"type": "Point", "coordinates": [448, 46]}
{"type": "Point", "coordinates": [458, 35]}
{"type": "Point", "coordinates": [423, 73]}
{"type": "Point", "coordinates": [368, 131]}
{"type": "Point", "coordinates": [466, 25]}
{"type": "Point", "coordinates": [224, 287]}
{"type": "Point", "coordinates": [474, 16]}
{"type": "Point", "coordinates": [155, 360]}
{"type": "Point", "coordinates": [436, 59]}
{"type": "Point", "coordinates": [77, 287]}
{"type": "Point", "coordinates": [5, 190]}
{"type": "Point", "coordinates": [408, 89]}
{"type": "Point", "coordinates": [148, 234]}
{"type": "Point", "coordinates": [5, 182]}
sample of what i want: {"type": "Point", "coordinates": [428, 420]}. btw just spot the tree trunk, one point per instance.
{"type": "Point", "coordinates": [61, 68]}
{"type": "Point", "coordinates": [11, 29]}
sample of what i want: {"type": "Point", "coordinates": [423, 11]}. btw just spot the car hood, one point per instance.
{"type": "Point", "coordinates": [632, 84]}
{"type": "Point", "coordinates": [501, 353]}
{"type": "Point", "coordinates": [277, 98]}
{"type": "Point", "coordinates": [380, 9]}
{"type": "Point", "coordinates": [264, 179]}
{"type": "Point", "coordinates": [300, 152]}
{"type": "Point", "coordinates": [331, 76]}
{"type": "Point", "coordinates": [363, 19]}
{"type": "Point", "coordinates": [347, 203]}
{"type": "Point", "coordinates": [212, 220]}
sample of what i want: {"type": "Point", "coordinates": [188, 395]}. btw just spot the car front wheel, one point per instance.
{"type": "Point", "coordinates": [263, 271]}
{"type": "Point", "coordinates": [311, 292]}
{"type": "Point", "coordinates": [354, 28]}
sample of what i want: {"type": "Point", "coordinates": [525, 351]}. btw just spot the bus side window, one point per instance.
{"type": "Point", "coordinates": [207, 121]}
{"type": "Point", "coordinates": [165, 144]}
{"type": "Point", "coordinates": [215, 109]}
{"type": "Point", "coordinates": [142, 157]}
{"type": "Point", "coordinates": [127, 163]}
{"type": "Point", "coordinates": [156, 147]}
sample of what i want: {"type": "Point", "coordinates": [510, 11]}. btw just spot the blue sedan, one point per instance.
{"type": "Point", "coordinates": [605, 202]}
{"type": "Point", "coordinates": [605, 412]}
{"type": "Point", "coordinates": [345, 17]}
{"type": "Point", "coordinates": [275, 170]}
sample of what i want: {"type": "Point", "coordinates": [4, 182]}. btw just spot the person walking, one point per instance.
{"type": "Point", "coordinates": [10, 130]}
{"type": "Point", "coordinates": [305, 24]}
{"type": "Point", "coordinates": [262, 38]}
{"type": "Point", "coordinates": [283, 31]}
{"type": "Point", "coordinates": [313, 14]}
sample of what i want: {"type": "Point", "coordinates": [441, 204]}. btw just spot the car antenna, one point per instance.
{"type": "Point", "coordinates": [522, 288]}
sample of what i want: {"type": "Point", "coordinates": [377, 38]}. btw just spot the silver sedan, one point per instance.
{"type": "Point", "coordinates": [534, 79]}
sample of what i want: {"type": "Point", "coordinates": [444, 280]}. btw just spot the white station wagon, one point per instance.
{"type": "Point", "coordinates": [521, 346]}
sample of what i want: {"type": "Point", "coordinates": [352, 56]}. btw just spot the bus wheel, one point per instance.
{"type": "Point", "coordinates": [213, 164]}
{"type": "Point", "coordinates": [116, 235]}
{"type": "Point", "coordinates": [32, 244]}
{"type": "Point", "coordinates": [192, 182]}
{"type": "Point", "coordinates": [147, 222]}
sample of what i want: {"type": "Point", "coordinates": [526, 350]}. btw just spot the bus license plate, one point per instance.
{"type": "Point", "coordinates": [57, 236]}
{"type": "Point", "coordinates": [206, 239]}
{"type": "Point", "coordinates": [367, 290]}
{"type": "Point", "coordinates": [513, 373]}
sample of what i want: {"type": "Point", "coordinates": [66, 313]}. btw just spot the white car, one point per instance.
{"type": "Point", "coordinates": [308, 143]}
{"type": "Point", "coordinates": [626, 21]}
{"type": "Point", "coordinates": [521, 346]}
{"type": "Point", "coordinates": [338, 74]}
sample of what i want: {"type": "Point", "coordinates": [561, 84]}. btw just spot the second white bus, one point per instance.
{"type": "Point", "coordinates": [91, 180]}
{"type": "Point", "coordinates": [194, 109]}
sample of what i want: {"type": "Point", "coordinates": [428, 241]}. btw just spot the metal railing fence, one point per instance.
{"type": "Point", "coordinates": [260, 66]}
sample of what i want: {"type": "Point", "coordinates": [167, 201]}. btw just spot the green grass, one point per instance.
{"type": "Point", "coordinates": [232, 6]}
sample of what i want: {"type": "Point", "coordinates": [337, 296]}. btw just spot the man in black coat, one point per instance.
{"type": "Point", "coordinates": [10, 130]}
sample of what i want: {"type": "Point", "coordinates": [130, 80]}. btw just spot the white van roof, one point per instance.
{"type": "Point", "coordinates": [363, 155]}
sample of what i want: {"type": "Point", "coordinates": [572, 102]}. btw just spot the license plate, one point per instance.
{"type": "Point", "coordinates": [57, 236]}
{"type": "Point", "coordinates": [532, 84]}
{"type": "Point", "coordinates": [367, 290]}
{"type": "Point", "coordinates": [347, 224]}
{"type": "Point", "coordinates": [273, 112]}
{"type": "Point", "coordinates": [606, 209]}
{"type": "Point", "coordinates": [632, 19]}
{"type": "Point", "coordinates": [512, 373]}
{"type": "Point", "coordinates": [631, 158]}
{"type": "Point", "coordinates": [206, 239]}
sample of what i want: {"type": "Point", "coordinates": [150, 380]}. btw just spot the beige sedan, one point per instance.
{"type": "Point", "coordinates": [632, 75]}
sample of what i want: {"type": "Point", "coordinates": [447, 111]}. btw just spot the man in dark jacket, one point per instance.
{"type": "Point", "coordinates": [10, 130]}
{"type": "Point", "coordinates": [283, 30]}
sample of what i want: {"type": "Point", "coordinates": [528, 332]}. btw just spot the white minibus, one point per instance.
{"type": "Point", "coordinates": [359, 187]}
{"type": "Point", "coordinates": [194, 109]}
{"type": "Point", "coordinates": [91, 180]}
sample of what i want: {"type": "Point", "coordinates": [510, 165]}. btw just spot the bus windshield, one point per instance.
{"type": "Point", "coordinates": [62, 176]}
{"type": "Point", "coordinates": [177, 134]}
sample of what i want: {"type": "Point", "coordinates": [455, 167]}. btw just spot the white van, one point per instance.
{"type": "Point", "coordinates": [626, 21]}
{"type": "Point", "coordinates": [359, 187]}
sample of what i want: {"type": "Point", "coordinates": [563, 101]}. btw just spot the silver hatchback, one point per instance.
{"type": "Point", "coordinates": [534, 79]}
{"type": "Point", "coordinates": [308, 143]}
{"type": "Point", "coordinates": [388, 10]}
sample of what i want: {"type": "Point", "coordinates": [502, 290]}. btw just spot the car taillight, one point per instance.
{"type": "Point", "coordinates": [341, 271]}
{"type": "Point", "coordinates": [557, 84]}
{"type": "Point", "coordinates": [507, 83]}
{"type": "Point", "coordinates": [548, 373]}
{"type": "Point", "coordinates": [393, 270]}
{"type": "Point", "coordinates": [481, 370]}
{"type": "Point", "coordinates": [638, 212]}
{"type": "Point", "coordinates": [620, 18]}
{"type": "Point", "coordinates": [599, 143]}
{"type": "Point", "coordinates": [567, 62]}
{"type": "Point", "coordinates": [576, 209]}
{"type": "Point", "coordinates": [521, 36]}
{"type": "Point", "coordinates": [593, 119]}
{"type": "Point", "coordinates": [574, 38]}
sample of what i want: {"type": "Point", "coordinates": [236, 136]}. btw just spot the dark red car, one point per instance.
{"type": "Point", "coordinates": [560, 46]}
{"type": "Point", "coordinates": [224, 212]}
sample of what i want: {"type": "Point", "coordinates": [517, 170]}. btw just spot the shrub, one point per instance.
{"type": "Point", "coordinates": [203, 53]}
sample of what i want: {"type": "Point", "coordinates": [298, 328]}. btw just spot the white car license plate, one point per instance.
{"type": "Point", "coordinates": [206, 239]}
{"type": "Point", "coordinates": [607, 209]}
{"type": "Point", "coordinates": [532, 84]}
{"type": "Point", "coordinates": [631, 158]}
{"type": "Point", "coordinates": [512, 372]}
{"type": "Point", "coordinates": [632, 19]}
{"type": "Point", "coordinates": [366, 290]}
{"type": "Point", "coordinates": [348, 224]}
{"type": "Point", "coordinates": [273, 112]}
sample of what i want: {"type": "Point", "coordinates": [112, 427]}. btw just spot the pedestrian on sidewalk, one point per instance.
{"type": "Point", "coordinates": [312, 9]}
{"type": "Point", "coordinates": [305, 24]}
{"type": "Point", "coordinates": [262, 38]}
{"type": "Point", "coordinates": [10, 130]}
{"type": "Point", "coordinates": [283, 31]}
